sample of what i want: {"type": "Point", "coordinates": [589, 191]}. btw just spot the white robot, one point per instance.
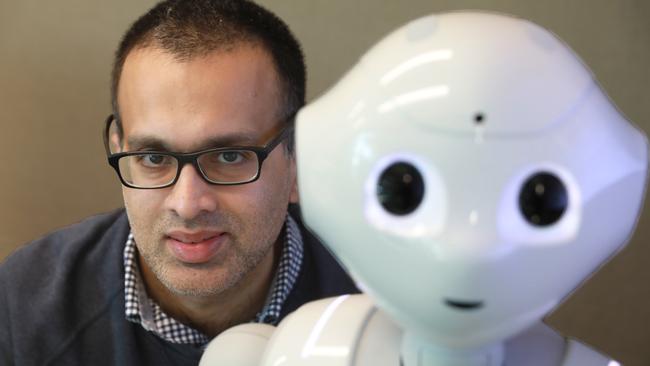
{"type": "Point", "coordinates": [470, 173]}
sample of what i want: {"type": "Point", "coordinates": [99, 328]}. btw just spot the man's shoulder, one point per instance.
{"type": "Point", "coordinates": [65, 282]}
{"type": "Point", "coordinates": [67, 244]}
{"type": "Point", "coordinates": [67, 260]}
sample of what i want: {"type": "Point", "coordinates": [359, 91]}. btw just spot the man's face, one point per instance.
{"type": "Point", "coordinates": [200, 239]}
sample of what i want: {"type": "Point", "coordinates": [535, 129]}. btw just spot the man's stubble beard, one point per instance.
{"type": "Point", "coordinates": [184, 279]}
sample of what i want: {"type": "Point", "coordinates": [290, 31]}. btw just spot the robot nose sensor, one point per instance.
{"type": "Point", "coordinates": [464, 305]}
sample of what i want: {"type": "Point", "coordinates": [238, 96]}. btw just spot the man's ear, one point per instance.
{"type": "Point", "coordinates": [115, 143]}
{"type": "Point", "coordinates": [114, 139]}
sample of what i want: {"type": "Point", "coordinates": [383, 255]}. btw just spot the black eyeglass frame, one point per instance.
{"type": "Point", "coordinates": [192, 158]}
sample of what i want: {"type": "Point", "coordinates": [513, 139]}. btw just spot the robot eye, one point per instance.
{"type": "Point", "coordinates": [543, 199]}
{"type": "Point", "coordinates": [541, 205]}
{"type": "Point", "coordinates": [400, 188]}
{"type": "Point", "coordinates": [405, 196]}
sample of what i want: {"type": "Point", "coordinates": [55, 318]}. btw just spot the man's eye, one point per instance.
{"type": "Point", "coordinates": [153, 160]}
{"type": "Point", "coordinates": [230, 157]}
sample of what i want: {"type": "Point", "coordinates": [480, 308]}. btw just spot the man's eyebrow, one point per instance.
{"type": "Point", "coordinates": [138, 143]}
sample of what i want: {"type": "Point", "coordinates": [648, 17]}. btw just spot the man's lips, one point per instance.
{"type": "Point", "coordinates": [195, 247]}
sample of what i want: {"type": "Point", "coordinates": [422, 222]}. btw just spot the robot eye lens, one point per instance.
{"type": "Point", "coordinates": [543, 199]}
{"type": "Point", "coordinates": [400, 188]}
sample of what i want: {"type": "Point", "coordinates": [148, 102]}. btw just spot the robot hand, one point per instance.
{"type": "Point", "coordinates": [242, 345]}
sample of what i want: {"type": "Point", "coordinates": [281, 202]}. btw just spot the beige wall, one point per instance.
{"type": "Point", "coordinates": [54, 67]}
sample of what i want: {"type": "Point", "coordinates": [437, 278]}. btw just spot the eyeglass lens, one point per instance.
{"type": "Point", "coordinates": [155, 170]}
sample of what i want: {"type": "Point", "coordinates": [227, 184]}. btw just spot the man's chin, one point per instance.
{"type": "Point", "coordinates": [197, 280]}
{"type": "Point", "coordinates": [195, 289]}
{"type": "Point", "coordinates": [195, 292]}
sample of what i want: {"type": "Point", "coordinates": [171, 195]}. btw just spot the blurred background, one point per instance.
{"type": "Point", "coordinates": [55, 60]}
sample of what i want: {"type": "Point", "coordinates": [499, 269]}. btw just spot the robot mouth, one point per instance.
{"type": "Point", "coordinates": [464, 305]}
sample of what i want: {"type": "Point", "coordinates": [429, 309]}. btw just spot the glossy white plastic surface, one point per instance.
{"type": "Point", "coordinates": [328, 333]}
{"type": "Point", "coordinates": [242, 345]}
{"type": "Point", "coordinates": [477, 102]}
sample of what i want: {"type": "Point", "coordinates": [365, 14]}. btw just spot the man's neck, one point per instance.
{"type": "Point", "coordinates": [212, 315]}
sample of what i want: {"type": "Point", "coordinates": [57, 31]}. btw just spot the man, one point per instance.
{"type": "Point", "coordinates": [204, 93]}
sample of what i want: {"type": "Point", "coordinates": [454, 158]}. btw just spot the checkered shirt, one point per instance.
{"type": "Point", "coordinates": [141, 309]}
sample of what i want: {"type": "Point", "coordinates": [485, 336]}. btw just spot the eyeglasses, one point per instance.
{"type": "Point", "coordinates": [220, 166]}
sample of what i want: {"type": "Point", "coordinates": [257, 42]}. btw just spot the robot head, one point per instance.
{"type": "Point", "coordinates": [469, 173]}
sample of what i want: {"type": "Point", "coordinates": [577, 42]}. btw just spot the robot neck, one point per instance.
{"type": "Point", "coordinates": [416, 351]}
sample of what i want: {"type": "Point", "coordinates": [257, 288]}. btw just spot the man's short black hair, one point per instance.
{"type": "Point", "coordinates": [191, 28]}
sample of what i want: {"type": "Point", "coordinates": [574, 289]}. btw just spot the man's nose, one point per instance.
{"type": "Point", "coordinates": [191, 195]}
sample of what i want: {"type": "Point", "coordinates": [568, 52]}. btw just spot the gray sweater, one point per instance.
{"type": "Point", "coordinates": [62, 299]}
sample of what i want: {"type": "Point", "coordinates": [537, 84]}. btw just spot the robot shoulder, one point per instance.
{"type": "Point", "coordinates": [341, 331]}
{"type": "Point", "coordinates": [242, 345]}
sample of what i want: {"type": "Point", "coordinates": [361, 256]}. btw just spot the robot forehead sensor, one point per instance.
{"type": "Point", "coordinates": [473, 119]}
{"type": "Point", "coordinates": [467, 68]}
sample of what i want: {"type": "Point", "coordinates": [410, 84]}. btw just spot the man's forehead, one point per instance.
{"type": "Point", "coordinates": [245, 72]}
